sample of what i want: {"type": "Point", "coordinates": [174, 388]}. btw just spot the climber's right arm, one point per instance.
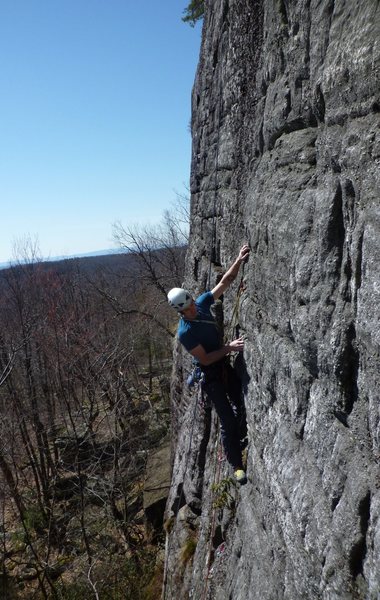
{"type": "Point", "coordinates": [231, 274]}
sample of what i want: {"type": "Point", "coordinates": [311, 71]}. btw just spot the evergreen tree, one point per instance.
{"type": "Point", "coordinates": [194, 12]}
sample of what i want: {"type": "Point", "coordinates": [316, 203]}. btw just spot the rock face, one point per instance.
{"type": "Point", "coordinates": [286, 156]}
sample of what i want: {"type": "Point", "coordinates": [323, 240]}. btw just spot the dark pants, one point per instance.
{"type": "Point", "coordinates": [223, 388]}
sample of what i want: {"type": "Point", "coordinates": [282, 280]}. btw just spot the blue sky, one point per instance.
{"type": "Point", "coordinates": [94, 118]}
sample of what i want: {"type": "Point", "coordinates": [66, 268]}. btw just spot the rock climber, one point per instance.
{"type": "Point", "coordinates": [199, 334]}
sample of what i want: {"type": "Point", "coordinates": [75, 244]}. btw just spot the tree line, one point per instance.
{"type": "Point", "coordinates": [84, 361]}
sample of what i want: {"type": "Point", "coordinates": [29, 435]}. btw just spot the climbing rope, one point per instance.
{"type": "Point", "coordinates": [217, 468]}
{"type": "Point", "coordinates": [234, 316]}
{"type": "Point", "coordinates": [212, 261]}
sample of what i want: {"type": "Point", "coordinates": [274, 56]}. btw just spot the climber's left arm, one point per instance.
{"type": "Point", "coordinates": [231, 274]}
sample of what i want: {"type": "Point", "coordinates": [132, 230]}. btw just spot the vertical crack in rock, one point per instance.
{"type": "Point", "coordinates": [348, 369]}
{"type": "Point", "coordinates": [225, 10]}
{"type": "Point", "coordinates": [350, 197]}
{"type": "Point", "coordinates": [196, 268]}
{"type": "Point", "coordinates": [350, 215]}
{"type": "Point", "coordinates": [319, 103]}
{"type": "Point", "coordinates": [359, 550]}
{"type": "Point", "coordinates": [330, 7]}
{"type": "Point", "coordinates": [283, 12]}
{"type": "Point", "coordinates": [358, 264]}
{"type": "Point", "coordinates": [205, 439]}
{"type": "Point", "coordinates": [179, 499]}
{"type": "Point", "coordinates": [335, 233]}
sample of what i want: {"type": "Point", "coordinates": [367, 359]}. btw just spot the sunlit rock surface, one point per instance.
{"type": "Point", "coordinates": [286, 156]}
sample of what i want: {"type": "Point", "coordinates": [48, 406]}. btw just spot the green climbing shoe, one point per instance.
{"type": "Point", "coordinates": [240, 476]}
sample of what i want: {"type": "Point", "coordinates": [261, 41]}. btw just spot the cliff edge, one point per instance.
{"type": "Point", "coordinates": [286, 157]}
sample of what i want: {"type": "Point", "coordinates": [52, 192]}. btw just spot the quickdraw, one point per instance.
{"type": "Point", "coordinates": [196, 376]}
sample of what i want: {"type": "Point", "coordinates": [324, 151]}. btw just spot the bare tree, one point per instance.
{"type": "Point", "coordinates": [159, 249]}
{"type": "Point", "coordinates": [77, 380]}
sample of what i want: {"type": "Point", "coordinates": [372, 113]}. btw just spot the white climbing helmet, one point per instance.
{"type": "Point", "coordinates": [179, 298]}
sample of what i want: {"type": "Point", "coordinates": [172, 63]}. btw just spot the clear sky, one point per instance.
{"type": "Point", "coordinates": [94, 118]}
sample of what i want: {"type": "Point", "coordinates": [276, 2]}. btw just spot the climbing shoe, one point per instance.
{"type": "Point", "coordinates": [240, 476]}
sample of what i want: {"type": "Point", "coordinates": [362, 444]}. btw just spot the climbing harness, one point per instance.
{"type": "Point", "coordinates": [196, 376]}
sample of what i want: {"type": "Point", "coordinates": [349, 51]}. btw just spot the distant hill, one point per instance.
{"type": "Point", "coordinates": [56, 259]}
{"type": "Point", "coordinates": [111, 264]}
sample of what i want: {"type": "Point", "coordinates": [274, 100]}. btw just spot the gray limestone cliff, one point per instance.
{"type": "Point", "coordinates": [286, 157]}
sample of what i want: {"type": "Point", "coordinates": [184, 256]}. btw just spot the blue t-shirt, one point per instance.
{"type": "Point", "coordinates": [195, 332]}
